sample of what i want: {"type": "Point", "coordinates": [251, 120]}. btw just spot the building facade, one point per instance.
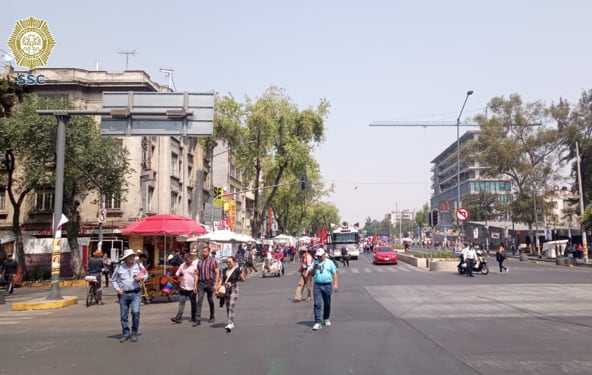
{"type": "Point", "coordinates": [444, 181]}
{"type": "Point", "coordinates": [168, 172]}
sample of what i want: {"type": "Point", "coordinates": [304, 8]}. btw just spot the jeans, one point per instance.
{"type": "Point", "coordinates": [322, 295]}
{"type": "Point", "coordinates": [127, 301]}
{"type": "Point", "coordinates": [501, 264]}
{"type": "Point", "coordinates": [183, 296]}
{"type": "Point", "coordinates": [203, 288]}
{"type": "Point", "coordinates": [470, 265]}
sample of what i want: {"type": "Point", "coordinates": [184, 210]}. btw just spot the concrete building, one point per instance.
{"type": "Point", "coordinates": [444, 181]}
{"type": "Point", "coordinates": [238, 206]}
{"type": "Point", "coordinates": [168, 177]}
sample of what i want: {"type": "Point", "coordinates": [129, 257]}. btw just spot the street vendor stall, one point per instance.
{"type": "Point", "coordinates": [165, 226]}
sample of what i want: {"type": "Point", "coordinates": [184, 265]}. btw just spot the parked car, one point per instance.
{"type": "Point", "coordinates": [385, 255]}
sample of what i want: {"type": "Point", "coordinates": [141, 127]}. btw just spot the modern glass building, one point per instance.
{"type": "Point", "coordinates": [444, 180]}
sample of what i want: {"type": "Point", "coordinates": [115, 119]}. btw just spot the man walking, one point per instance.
{"type": "Point", "coordinates": [324, 274]}
{"type": "Point", "coordinates": [126, 282]}
{"type": "Point", "coordinates": [208, 275]}
{"type": "Point", "coordinates": [188, 288]}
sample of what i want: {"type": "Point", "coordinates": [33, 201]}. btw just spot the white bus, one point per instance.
{"type": "Point", "coordinates": [347, 237]}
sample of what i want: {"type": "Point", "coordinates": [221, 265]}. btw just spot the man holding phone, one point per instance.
{"type": "Point", "coordinates": [324, 275]}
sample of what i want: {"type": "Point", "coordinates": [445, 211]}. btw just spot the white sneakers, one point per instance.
{"type": "Point", "coordinates": [229, 327]}
{"type": "Point", "coordinates": [319, 326]}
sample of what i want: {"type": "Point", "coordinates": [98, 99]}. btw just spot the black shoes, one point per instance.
{"type": "Point", "coordinates": [176, 319]}
{"type": "Point", "coordinates": [195, 323]}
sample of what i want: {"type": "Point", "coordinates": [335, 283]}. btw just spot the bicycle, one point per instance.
{"type": "Point", "coordinates": [92, 294]}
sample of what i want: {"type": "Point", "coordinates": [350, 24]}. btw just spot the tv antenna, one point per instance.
{"type": "Point", "coordinates": [169, 74]}
{"type": "Point", "coordinates": [127, 55]}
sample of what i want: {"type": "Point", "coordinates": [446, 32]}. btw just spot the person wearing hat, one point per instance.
{"type": "Point", "coordinates": [95, 268]}
{"type": "Point", "coordinates": [126, 282]}
{"type": "Point", "coordinates": [324, 275]}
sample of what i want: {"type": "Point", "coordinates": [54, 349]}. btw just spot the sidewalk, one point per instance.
{"type": "Point", "coordinates": [35, 298]}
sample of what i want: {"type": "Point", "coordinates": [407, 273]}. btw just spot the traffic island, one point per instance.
{"type": "Point", "coordinates": [45, 304]}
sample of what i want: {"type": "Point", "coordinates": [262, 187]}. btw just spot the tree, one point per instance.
{"type": "Point", "coordinates": [575, 126]}
{"type": "Point", "coordinates": [319, 214]}
{"type": "Point", "coordinates": [510, 145]}
{"type": "Point", "coordinates": [481, 205]}
{"type": "Point", "coordinates": [10, 94]}
{"type": "Point", "coordinates": [280, 140]}
{"type": "Point", "coordinates": [29, 159]}
{"type": "Point", "coordinates": [421, 217]}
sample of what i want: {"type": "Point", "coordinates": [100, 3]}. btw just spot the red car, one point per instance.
{"type": "Point", "coordinates": [385, 255]}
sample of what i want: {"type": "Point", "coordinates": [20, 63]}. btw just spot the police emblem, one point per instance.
{"type": "Point", "coordinates": [31, 42]}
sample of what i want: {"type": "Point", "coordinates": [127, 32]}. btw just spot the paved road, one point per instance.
{"type": "Point", "coordinates": [386, 320]}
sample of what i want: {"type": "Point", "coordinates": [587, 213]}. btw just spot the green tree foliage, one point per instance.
{"type": "Point", "coordinates": [575, 126]}
{"type": "Point", "coordinates": [27, 141]}
{"type": "Point", "coordinates": [510, 145]}
{"type": "Point", "coordinates": [421, 216]}
{"type": "Point", "coordinates": [10, 94]}
{"type": "Point", "coordinates": [279, 141]}
{"type": "Point", "coordinates": [379, 228]}
{"type": "Point", "coordinates": [319, 213]}
{"type": "Point", "coordinates": [482, 205]}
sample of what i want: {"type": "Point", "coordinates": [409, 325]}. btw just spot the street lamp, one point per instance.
{"type": "Point", "coordinates": [469, 93]}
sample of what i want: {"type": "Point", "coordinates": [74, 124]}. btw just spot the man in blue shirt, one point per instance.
{"type": "Point", "coordinates": [324, 275]}
{"type": "Point", "coordinates": [126, 282]}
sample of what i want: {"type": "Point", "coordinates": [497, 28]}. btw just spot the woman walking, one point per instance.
{"type": "Point", "coordinates": [230, 276]}
{"type": "Point", "coordinates": [500, 256]}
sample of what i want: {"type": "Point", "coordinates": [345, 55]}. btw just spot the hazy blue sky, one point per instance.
{"type": "Point", "coordinates": [373, 60]}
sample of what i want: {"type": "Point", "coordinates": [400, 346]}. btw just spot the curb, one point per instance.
{"type": "Point", "coordinates": [44, 304]}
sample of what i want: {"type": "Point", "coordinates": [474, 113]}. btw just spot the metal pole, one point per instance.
{"type": "Point", "coordinates": [54, 293]}
{"type": "Point", "coordinates": [101, 208]}
{"type": "Point", "coordinates": [458, 223]}
{"type": "Point", "coordinates": [582, 229]}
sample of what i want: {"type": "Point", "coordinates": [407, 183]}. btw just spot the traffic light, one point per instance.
{"type": "Point", "coordinates": [303, 182]}
{"type": "Point", "coordinates": [435, 217]}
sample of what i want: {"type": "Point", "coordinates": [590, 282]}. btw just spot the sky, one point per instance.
{"type": "Point", "coordinates": [373, 60]}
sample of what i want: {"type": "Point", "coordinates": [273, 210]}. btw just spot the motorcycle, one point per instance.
{"type": "Point", "coordinates": [479, 266]}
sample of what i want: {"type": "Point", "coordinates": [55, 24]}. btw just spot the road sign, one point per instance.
{"type": "Point", "coordinates": [158, 114]}
{"type": "Point", "coordinates": [462, 214]}
{"type": "Point", "coordinates": [102, 215]}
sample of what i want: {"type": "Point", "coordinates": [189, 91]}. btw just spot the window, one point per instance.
{"type": "Point", "coordinates": [113, 202]}
{"type": "Point", "coordinates": [149, 199]}
{"type": "Point", "coordinates": [2, 199]}
{"type": "Point", "coordinates": [174, 164]}
{"type": "Point", "coordinates": [44, 200]}
{"type": "Point", "coordinates": [174, 196]}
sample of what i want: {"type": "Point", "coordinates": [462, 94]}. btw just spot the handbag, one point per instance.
{"type": "Point", "coordinates": [221, 291]}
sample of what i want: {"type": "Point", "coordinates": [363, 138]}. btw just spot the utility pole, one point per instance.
{"type": "Point", "coordinates": [582, 229]}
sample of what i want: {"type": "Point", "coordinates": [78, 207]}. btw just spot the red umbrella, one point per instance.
{"type": "Point", "coordinates": [164, 225]}
{"type": "Point", "coordinates": [167, 225]}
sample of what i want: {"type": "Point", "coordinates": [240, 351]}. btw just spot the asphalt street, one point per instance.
{"type": "Point", "coordinates": [391, 319]}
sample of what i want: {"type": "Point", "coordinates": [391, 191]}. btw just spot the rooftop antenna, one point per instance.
{"type": "Point", "coordinates": [127, 55]}
{"type": "Point", "coordinates": [169, 74]}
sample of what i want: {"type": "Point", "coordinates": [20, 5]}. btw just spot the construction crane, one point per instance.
{"type": "Point", "coordinates": [423, 124]}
